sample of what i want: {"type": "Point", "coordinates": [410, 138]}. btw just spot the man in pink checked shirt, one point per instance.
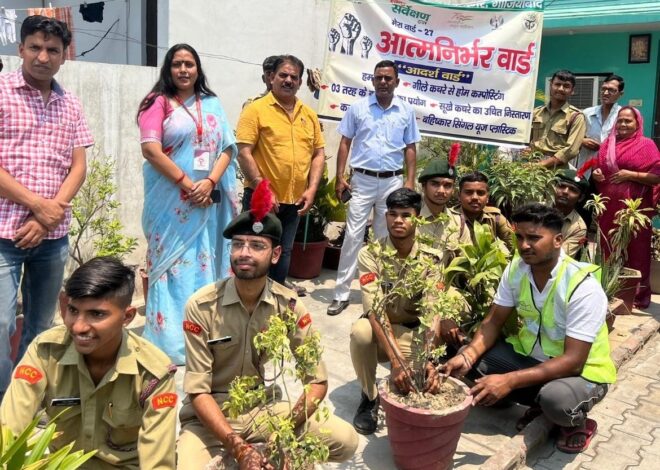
{"type": "Point", "coordinates": [43, 135]}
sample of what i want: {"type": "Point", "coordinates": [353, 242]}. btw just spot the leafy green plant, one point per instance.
{"type": "Point", "coordinates": [628, 222]}
{"type": "Point", "coordinates": [476, 272]}
{"type": "Point", "coordinates": [94, 215]}
{"type": "Point", "coordinates": [518, 182]}
{"type": "Point", "coordinates": [287, 447]}
{"type": "Point", "coordinates": [418, 278]}
{"type": "Point", "coordinates": [29, 450]}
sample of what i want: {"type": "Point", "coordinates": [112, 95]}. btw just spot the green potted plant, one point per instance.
{"type": "Point", "coordinates": [423, 429]}
{"type": "Point", "coordinates": [476, 272]}
{"type": "Point", "coordinates": [311, 242]}
{"type": "Point", "coordinates": [288, 448]}
{"type": "Point", "coordinates": [618, 281]}
{"type": "Point", "coordinates": [29, 450]}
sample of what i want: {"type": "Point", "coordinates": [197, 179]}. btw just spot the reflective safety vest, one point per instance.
{"type": "Point", "coordinates": [540, 325]}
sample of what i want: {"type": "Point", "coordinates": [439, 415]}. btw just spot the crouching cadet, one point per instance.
{"type": "Point", "coordinates": [221, 322]}
{"type": "Point", "coordinates": [559, 361]}
{"type": "Point", "coordinates": [117, 389]}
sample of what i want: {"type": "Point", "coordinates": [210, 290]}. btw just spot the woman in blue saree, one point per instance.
{"type": "Point", "coordinates": [189, 193]}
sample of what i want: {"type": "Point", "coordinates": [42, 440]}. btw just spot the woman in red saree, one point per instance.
{"type": "Point", "coordinates": [629, 168]}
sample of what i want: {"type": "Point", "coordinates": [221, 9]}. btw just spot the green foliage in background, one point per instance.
{"type": "Point", "coordinates": [94, 215]}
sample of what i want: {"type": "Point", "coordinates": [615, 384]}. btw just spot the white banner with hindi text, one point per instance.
{"type": "Point", "coordinates": [469, 71]}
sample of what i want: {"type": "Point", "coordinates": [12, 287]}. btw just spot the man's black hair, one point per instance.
{"type": "Point", "coordinates": [103, 277]}
{"type": "Point", "coordinates": [618, 78]}
{"type": "Point", "coordinates": [291, 59]}
{"type": "Point", "coordinates": [387, 63]}
{"type": "Point", "coordinates": [49, 26]}
{"type": "Point", "coordinates": [539, 214]}
{"type": "Point", "coordinates": [268, 64]}
{"type": "Point", "coordinates": [565, 76]}
{"type": "Point", "coordinates": [403, 198]}
{"type": "Point", "coordinates": [474, 177]}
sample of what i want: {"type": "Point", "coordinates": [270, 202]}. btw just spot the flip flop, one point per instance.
{"type": "Point", "coordinates": [589, 431]}
{"type": "Point", "coordinates": [530, 414]}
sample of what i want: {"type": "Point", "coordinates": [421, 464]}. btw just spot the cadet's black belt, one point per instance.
{"type": "Point", "coordinates": [378, 174]}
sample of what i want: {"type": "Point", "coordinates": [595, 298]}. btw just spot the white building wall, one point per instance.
{"type": "Point", "coordinates": [124, 44]}
{"type": "Point", "coordinates": [234, 37]}
{"type": "Point", "coordinates": [110, 95]}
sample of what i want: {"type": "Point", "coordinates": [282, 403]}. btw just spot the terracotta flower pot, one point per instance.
{"type": "Point", "coordinates": [615, 307]}
{"type": "Point", "coordinates": [629, 283]}
{"type": "Point", "coordinates": [306, 262]}
{"type": "Point", "coordinates": [423, 439]}
{"type": "Point", "coordinates": [331, 257]}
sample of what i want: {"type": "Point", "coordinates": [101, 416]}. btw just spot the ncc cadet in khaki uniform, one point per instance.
{"type": "Point", "coordinates": [473, 195]}
{"type": "Point", "coordinates": [368, 342]}
{"type": "Point", "coordinates": [118, 387]}
{"type": "Point", "coordinates": [570, 189]}
{"type": "Point", "coordinates": [221, 321]}
{"type": "Point", "coordinates": [558, 127]}
{"type": "Point", "coordinates": [437, 180]}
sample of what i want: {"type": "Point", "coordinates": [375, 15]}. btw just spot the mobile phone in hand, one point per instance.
{"type": "Point", "coordinates": [216, 196]}
{"type": "Point", "coordinates": [346, 195]}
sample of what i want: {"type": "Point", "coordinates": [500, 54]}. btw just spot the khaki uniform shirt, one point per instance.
{"type": "Point", "coordinates": [444, 235]}
{"type": "Point", "coordinates": [559, 134]}
{"type": "Point", "coordinates": [215, 314]}
{"type": "Point", "coordinates": [402, 310]}
{"type": "Point", "coordinates": [498, 224]}
{"type": "Point", "coordinates": [110, 416]}
{"type": "Point", "coordinates": [574, 231]}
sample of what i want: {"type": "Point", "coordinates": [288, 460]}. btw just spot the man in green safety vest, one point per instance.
{"type": "Point", "coordinates": [558, 362]}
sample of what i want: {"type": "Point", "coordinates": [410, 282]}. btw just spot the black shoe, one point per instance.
{"type": "Point", "coordinates": [337, 306]}
{"type": "Point", "coordinates": [366, 418]}
{"type": "Point", "coordinates": [300, 290]}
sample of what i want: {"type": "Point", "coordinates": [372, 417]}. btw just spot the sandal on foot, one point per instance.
{"type": "Point", "coordinates": [588, 431]}
{"type": "Point", "coordinates": [529, 416]}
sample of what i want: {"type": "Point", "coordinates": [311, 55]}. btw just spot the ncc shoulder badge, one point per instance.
{"type": "Point", "coordinates": [367, 278]}
{"type": "Point", "coordinates": [30, 374]}
{"type": "Point", "coordinates": [305, 320]}
{"type": "Point", "coordinates": [191, 327]}
{"type": "Point", "coordinates": [164, 400]}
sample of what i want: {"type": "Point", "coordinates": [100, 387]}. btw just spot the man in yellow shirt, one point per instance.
{"type": "Point", "coordinates": [279, 138]}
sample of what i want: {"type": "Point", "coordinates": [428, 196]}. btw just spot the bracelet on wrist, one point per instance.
{"type": "Point", "coordinates": [211, 180]}
{"type": "Point", "coordinates": [241, 453]}
{"type": "Point", "coordinates": [183, 175]}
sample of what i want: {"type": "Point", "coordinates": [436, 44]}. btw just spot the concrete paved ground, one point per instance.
{"type": "Point", "coordinates": [486, 429]}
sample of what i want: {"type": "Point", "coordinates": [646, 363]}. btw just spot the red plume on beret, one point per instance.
{"type": "Point", "coordinates": [583, 169]}
{"type": "Point", "coordinates": [262, 200]}
{"type": "Point", "coordinates": [453, 153]}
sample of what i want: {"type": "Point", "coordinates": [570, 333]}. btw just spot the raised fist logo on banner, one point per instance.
{"type": "Point", "coordinates": [366, 44]}
{"type": "Point", "coordinates": [333, 39]}
{"type": "Point", "coordinates": [350, 29]}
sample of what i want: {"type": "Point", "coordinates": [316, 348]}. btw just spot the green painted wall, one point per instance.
{"type": "Point", "coordinates": [605, 52]}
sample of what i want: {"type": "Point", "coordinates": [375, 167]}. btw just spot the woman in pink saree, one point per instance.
{"type": "Point", "coordinates": [629, 168]}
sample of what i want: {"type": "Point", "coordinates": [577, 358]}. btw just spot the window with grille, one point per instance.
{"type": "Point", "coordinates": [587, 90]}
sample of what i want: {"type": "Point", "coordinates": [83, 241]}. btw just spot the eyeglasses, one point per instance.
{"type": "Point", "coordinates": [379, 78]}
{"type": "Point", "coordinates": [252, 246]}
{"type": "Point", "coordinates": [609, 91]}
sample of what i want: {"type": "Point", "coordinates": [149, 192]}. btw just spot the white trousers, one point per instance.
{"type": "Point", "coordinates": [368, 193]}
